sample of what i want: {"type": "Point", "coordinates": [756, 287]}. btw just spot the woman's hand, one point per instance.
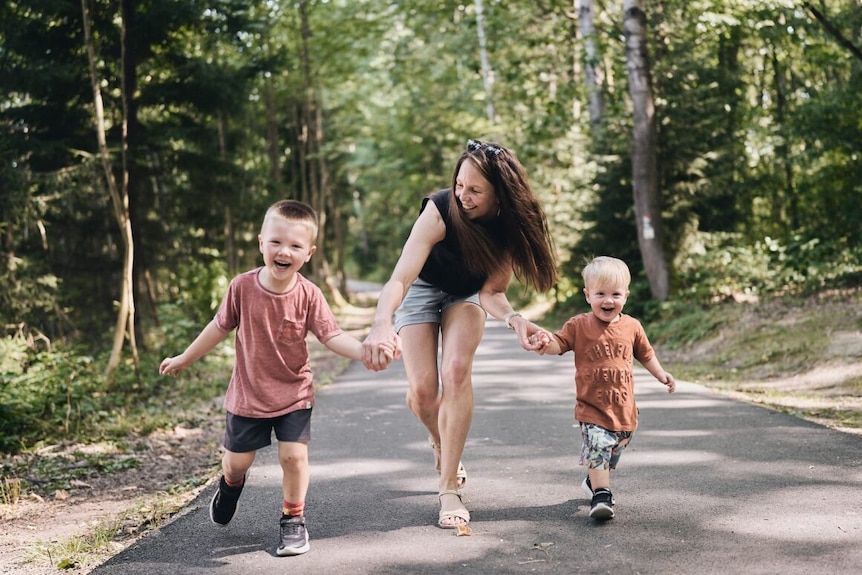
{"type": "Point", "coordinates": [527, 332]}
{"type": "Point", "coordinates": [380, 347]}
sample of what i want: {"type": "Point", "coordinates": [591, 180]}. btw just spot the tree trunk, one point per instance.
{"type": "Point", "coordinates": [593, 76]}
{"type": "Point", "coordinates": [647, 200]}
{"type": "Point", "coordinates": [312, 192]}
{"type": "Point", "coordinates": [273, 149]}
{"type": "Point", "coordinates": [120, 202]}
{"type": "Point", "coordinates": [231, 256]}
{"type": "Point", "coordinates": [784, 202]}
{"type": "Point", "coordinates": [487, 72]}
{"type": "Point", "coordinates": [833, 30]}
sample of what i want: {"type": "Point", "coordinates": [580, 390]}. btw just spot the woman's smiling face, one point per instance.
{"type": "Point", "coordinates": [475, 194]}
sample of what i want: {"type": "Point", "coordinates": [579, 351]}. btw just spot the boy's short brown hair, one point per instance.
{"type": "Point", "coordinates": [294, 211]}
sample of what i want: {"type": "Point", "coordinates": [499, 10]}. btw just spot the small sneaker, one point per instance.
{"type": "Point", "coordinates": [602, 506]}
{"type": "Point", "coordinates": [224, 502]}
{"type": "Point", "coordinates": [587, 487]}
{"type": "Point", "coordinates": [294, 536]}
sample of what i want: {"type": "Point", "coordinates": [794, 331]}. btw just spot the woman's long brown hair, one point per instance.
{"type": "Point", "coordinates": [521, 234]}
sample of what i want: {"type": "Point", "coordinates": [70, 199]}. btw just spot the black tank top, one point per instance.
{"type": "Point", "coordinates": [445, 267]}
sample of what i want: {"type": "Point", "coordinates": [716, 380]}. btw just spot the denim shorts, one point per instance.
{"type": "Point", "coordinates": [244, 434]}
{"type": "Point", "coordinates": [424, 303]}
{"type": "Point", "coordinates": [601, 447]}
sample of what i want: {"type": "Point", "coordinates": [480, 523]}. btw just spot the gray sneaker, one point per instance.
{"type": "Point", "coordinates": [294, 536]}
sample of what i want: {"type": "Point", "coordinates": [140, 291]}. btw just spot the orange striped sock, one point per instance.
{"type": "Point", "coordinates": [234, 484]}
{"type": "Point", "coordinates": [289, 508]}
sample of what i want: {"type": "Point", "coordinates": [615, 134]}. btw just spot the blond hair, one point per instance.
{"type": "Point", "coordinates": [605, 270]}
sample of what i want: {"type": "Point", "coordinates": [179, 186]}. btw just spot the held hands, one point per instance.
{"type": "Point", "coordinates": [540, 341]}
{"type": "Point", "coordinates": [390, 350]}
{"type": "Point", "coordinates": [531, 336]}
{"type": "Point", "coordinates": [380, 348]}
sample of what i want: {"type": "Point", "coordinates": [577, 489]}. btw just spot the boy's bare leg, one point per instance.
{"type": "Point", "coordinates": [600, 478]}
{"type": "Point", "coordinates": [293, 457]}
{"type": "Point", "coordinates": [236, 465]}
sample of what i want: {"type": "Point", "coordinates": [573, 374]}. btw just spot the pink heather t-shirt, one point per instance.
{"type": "Point", "coordinates": [271, 374]}
{"type": "Point", "coordinates": [604, 368]}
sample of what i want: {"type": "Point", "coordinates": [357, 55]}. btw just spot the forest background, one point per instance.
{"type": "Point", "coordinates": [712, 144]}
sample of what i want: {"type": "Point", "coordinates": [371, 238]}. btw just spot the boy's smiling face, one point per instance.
{"type": "Point", "coordinates": [607, 300]}
{"type": "Point", "coordinates": [285, 245]}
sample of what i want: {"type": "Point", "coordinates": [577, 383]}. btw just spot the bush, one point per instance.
{"type": "Point", "coordinates": [720, 267]}
{"type": "Point", "coordinates": [42, 391]}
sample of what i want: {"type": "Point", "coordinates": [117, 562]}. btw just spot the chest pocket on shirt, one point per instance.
{"type": "Point", "coordinates": [291, 331]}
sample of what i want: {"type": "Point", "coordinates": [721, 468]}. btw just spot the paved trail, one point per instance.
{"type": "Point", "coordinates": [709, 485]}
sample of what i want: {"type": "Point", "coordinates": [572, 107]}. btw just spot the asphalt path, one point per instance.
{"type": "Point", "coordinates": [708, 485]}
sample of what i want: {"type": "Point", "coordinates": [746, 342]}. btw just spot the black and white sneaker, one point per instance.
{"type": "Point", "coordinates": [588, 489]}
{"type": "Point", "coordinates": [602, 505]}
{"type": "Point", "coordinates": [224, 502]}
{"type": "Point", "coordinates": [294, 536]}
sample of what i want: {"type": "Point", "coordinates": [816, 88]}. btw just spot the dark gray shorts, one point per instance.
{"type": "Point", "coordinates": [244, 434]}
{"type": "Point", "coordinates": [425, 303]}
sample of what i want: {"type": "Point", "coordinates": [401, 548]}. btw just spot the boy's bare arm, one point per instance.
{"type": "Point", "coordinates": [654, 367]}
{"type": "Point", "coordinates": [348, 346]}
{"type": "Point", "coordinates": [210, 337]}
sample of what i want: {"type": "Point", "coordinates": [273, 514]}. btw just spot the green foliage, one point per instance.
{"type": "Point", "coordinates": [720, 267]}
{"type": "Point", "coordinates": [44, 391]}
{"type": "Point", "coordinates": [61, 394]}
{"type": "Point", "coordinates": [755, 342]}
{"type": "Point", "coordinates": [679, 324]}
{"type": "Point", "coordinates": [196, 290]}
{"type": "Point", "coordinates": [758, 124]}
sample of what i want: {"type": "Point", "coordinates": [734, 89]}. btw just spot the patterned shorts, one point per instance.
{"type": "Point", "coordinates": [602, 448]}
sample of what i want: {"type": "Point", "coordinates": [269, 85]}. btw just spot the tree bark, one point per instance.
{"type": "Point", "coordinates": [487, 72]}
{"type": "Point", "coordinates": [833, 31]}
{"type": "Point", "coordinates": [593, 75]}
{"type": "Point", "coordinates": [647, 199]}
{"type": "Point", "coordinates": [119, 200]}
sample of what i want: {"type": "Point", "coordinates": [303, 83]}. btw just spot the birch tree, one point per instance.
{"type": "Point", "coordinates": [593, 76]}
{"type": "Point", "coordinates": [120, 201]}
{"type": "Point", "coordinates": [647, 198]}
{"type": "Point", "coordinates": [487, 72]}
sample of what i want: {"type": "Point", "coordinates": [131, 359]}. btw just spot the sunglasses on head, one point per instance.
{"type": "Point", "coordinates": [474, 145]}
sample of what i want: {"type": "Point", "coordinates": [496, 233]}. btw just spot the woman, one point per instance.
{"type": "Point", "coordinates": [463, 250]}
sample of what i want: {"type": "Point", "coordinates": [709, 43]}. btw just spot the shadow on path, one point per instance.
{"type": "Point", "coordinates": [709, 485]}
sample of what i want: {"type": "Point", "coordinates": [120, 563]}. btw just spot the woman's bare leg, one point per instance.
{"type": "Point", "coordinates": [462, 329]}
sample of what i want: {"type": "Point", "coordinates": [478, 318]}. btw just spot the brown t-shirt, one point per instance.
{"type": "Point", "coordinates": [271, 374]}
{"type": "Point", "coordinates": [604, 368]}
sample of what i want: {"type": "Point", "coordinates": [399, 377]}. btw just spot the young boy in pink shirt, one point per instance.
{"type": "Point", "coordinates": [605, 342]}
{"type": "Point", "coordinates": [272, 308]}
